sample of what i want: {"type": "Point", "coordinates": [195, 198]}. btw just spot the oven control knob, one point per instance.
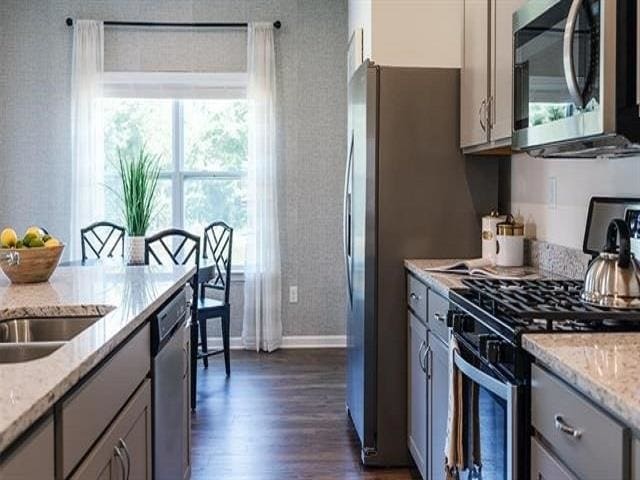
{"type": "Point", "coordinates": [494, 351]}
{"type": "Point", "coordinates": [462, 323]}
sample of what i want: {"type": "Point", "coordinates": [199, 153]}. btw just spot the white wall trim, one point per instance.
{"type": "Point", "coordinates": [294, 341]}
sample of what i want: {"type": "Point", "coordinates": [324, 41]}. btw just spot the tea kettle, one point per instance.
{"type": "Point", "coordinates": [613, 278]}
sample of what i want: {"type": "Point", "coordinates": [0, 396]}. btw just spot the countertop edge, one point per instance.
{"type": "Point", "coordinates": [43, 405]}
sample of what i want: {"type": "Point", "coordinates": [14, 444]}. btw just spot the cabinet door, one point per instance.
{"type": "Point", "coordinates": [33, 457]}
{"type": "Point", "coordinates": [635, 460]}
{"type": "Point", "coordinates": [124, 451]}
{"type": "Point", "coordinates": [545, 466]}
{"type": "Point", "coordinates": [417, 393]}
{"type": "Point", "coordinates": [438, 401]}
{"type": "Point", "coordinates": [501, 104]}
{"type": "Point", "coordinates": [475, 74]}
{"type": "Point", "coordinates": [186, 391]}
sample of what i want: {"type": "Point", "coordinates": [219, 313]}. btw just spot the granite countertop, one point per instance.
{"type": "Point", "coordinates": [126, 296]}
{"type": "Point", "coordinates": [603, 366]}
{"type": "Point", "coordinates": [442, 282]}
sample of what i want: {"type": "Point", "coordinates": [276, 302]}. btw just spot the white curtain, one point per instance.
{"type": "Point", "coordinates": [262, 325]}
{"type": "Point", "coordinates": [87, 156]}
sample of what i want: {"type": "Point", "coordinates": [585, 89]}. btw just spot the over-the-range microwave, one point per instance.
{"type": "Point", "coordinates": [575, 77]}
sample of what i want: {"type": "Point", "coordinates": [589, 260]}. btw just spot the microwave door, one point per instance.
{"type": "Point", "coordinates": [556, 73]}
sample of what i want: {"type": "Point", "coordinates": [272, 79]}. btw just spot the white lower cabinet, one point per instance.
{"type": "Point", "coordinates": [417, 393]}
{"type": "Point", "coordinates": [124, 451]}
{"type": "Point", "coordinates": [33, 457]}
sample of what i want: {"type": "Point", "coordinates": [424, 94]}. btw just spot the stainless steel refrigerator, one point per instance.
{"type": "Point", "coordinates": [409, 193]}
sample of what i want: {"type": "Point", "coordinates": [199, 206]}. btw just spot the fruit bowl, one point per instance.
{"type": "Point", "coordinates": [30, 265]}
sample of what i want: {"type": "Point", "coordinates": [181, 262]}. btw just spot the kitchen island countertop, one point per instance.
{"type": "Point", "coordinates": [124, 297]}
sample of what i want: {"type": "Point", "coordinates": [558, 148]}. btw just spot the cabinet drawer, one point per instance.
{"type": "Point", "coordinates": [544, 466]}
{"type": "Point", "coordinates": [33, 457]}
{"type": "Point", "coordinates": [125, 446]}
{"type": "Point", "coordinates": [90, 409]}
{"type": "Point", "coordinates": [597, 451]}
{"type": "Point", "coordinates": [417, 297]}
{"type": "Point", "coordinates": [437, 318]}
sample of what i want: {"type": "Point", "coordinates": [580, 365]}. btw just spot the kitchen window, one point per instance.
{"type": "Point", "coordinates": [201, 143]}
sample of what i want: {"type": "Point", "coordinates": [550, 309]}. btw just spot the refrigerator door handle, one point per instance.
{"type": "Point", "coordinates": [347, 240]}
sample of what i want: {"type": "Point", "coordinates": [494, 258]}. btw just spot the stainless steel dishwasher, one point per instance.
{"type": "Point", "coordinates": [170, 359]}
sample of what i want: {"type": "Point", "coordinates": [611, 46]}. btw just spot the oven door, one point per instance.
{"type": "Point", "coordinates": [493, 419]}
{"type": "Point", "coordinates": [557, 72]}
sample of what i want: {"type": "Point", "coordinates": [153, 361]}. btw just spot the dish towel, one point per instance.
{"type": "Point", "coordinates": [454, 450]}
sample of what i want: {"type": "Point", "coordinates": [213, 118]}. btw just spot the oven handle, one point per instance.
{"type": "Point", "coordinates": [503, 390]}
{"type": "Point", "coordinates": [567, 57]}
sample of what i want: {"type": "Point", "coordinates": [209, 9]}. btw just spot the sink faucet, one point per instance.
{"type": "Point", "coordinates": [12, 258]}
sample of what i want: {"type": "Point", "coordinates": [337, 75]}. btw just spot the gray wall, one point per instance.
{"type": "Point", "coordinates": [35, 54]}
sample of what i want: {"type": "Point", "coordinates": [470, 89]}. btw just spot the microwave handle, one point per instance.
{"type": "Point", "coordinates": [567, 57]}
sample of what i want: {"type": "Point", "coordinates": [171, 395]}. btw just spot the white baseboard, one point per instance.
{"type": "Point", "coordinates": [294, 341]}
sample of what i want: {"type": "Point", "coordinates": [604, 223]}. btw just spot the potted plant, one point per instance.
{"type": "Point", "coordinates": [139, 179]}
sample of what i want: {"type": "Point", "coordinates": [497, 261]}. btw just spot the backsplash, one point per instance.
{"type": "Point", "coordinates": [558, 259]}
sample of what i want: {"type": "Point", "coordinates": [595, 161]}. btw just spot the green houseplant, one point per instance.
{"type": "Point", "coordinates": [139, 182]}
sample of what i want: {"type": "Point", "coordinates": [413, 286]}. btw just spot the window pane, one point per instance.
{"type": "Point", "coordinates": [208, 200]}
{"type": "Point", "coordinates": [130, 123]}
{"type": "Point", "coordinates": [215, 135]}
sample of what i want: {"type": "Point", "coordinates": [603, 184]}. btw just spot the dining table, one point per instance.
{"type": "Point", "coordinates": [206, 271]}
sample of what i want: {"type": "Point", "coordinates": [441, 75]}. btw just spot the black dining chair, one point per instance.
{"type": "Point", "coordinates": [179, 247]}
{"type": "Point", "coordinates": [102, 239]}
{"type": "Point", "coordinates": [218, 242]}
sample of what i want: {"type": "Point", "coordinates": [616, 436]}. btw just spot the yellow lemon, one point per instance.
{"type": "Point", "coordinates": [34, 231]}
{"type": "Point", "coordinates": [8, 238]}
{"type": "Point", "coordinates": [52, 242]}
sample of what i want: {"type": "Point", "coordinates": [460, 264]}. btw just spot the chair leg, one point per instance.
{"type": "Point", "coordinates": [225, 341]}
{"type": "Point", "coordinates": [203, 342]}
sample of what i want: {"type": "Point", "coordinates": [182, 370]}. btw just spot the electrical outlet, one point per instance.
{"type": "Point", "coordinates": [552, 200]}
{"type": "Point", "coordinates": [293, 294]}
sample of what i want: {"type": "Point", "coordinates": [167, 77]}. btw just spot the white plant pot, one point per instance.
{"type": "Point", "coordinates": [135, 250]}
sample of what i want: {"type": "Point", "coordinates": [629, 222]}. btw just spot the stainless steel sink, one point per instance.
{"type": "Point", "coordinates": [23, 352]}
{"type": "Point", "coordinates": [27, 330]}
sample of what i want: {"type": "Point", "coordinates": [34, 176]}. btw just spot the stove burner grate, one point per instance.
{"type": "Point", "coordinates": [541, 300]}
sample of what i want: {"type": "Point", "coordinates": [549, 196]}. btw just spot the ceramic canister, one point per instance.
{"type": "Point", "coordinates": [510, 243]}
{"type": "Point", "coordinates": [489, 229]}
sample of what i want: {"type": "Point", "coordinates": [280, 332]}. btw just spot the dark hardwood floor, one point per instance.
{"type": "Point", "coordinates": [280, 416]}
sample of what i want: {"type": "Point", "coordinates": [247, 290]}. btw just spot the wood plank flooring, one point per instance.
{"type": "Point", "coordinates": [280, 416]}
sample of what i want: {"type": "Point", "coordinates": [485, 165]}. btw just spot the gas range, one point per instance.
{"type": "Point", "coordinates": [488, 319]}
{"type": "Point", "coordinates": [515, 307]}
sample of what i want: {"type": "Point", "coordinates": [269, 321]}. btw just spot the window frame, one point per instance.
{"type": "Point", "coordinates": [179, 87]}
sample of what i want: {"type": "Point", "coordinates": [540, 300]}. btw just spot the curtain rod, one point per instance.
{"type": "Point", "coordinates": [277, 24]}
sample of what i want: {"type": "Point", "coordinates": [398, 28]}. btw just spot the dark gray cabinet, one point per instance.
{"type": "Point", "coordinates": [186, 393]}
{"type": "Point", "coordinates": [544, 466]}
{"type": "Point", "coordinates": [438, 404]}
{"type": "Point", "coordinates": [33, 457]}
{"type": "Point", "coordinates": [417, 392]}
{"type": "Point", "coordinates": [124, 451]}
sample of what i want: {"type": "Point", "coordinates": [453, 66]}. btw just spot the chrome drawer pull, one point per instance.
{"type": "Point", "coordinates": [415, 297]}
{"type": "Point", "coordinates": [439, 317]}
{"type": "Point", "coordinates": [565, 428]}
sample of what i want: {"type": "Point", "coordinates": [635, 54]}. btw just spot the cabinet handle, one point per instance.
{"type": "Point", "coordinates": [120, 458]}
{"type": "Point", "coordinates": [124, 447]}
{"type": "Point", "coordinates": [414, 297]}
{"type": "Point", "coordinates": [428, 361]}
{"type": "Point", "coordinates": [186, 361]}
{"type": "Point", "coordinates": [565, 428]}
{"type": "Point", "coordinates": [439, 317]}
{"type": "Point", "coordinates": [481, 114]}
{"type": "Point", "coordinates": [422, 346]}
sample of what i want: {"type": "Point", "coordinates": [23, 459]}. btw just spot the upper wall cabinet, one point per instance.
{"type": "Point", "coordinates": [486, 79]}
{"type": "Point", "coordinates": [409, 33]}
